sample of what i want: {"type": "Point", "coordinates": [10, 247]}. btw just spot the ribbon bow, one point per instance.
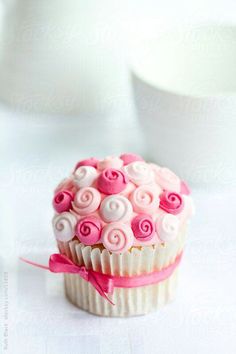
{"type": "Point", "coordinates": [59, 263]}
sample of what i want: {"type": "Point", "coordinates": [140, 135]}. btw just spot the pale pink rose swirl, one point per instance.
{"type": "Point", "coordinates": [92, 161]}
{"type": "Point", "coordinates": [145, 199]}
{"type": "Point", "coordinates": [117, 237]}
{"type": "Point", "coordinates": [88, 230]}
{"type": "Point", "coordinates": [110, 162]}
{"type": "Point", "coordinates": [86, 201]}
{"type": "Point", "coordinates": [171, 202]}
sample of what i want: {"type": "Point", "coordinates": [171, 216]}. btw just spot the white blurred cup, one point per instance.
{"type": "Point", "coordinates": [184, 86]}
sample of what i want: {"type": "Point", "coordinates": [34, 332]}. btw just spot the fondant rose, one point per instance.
{"type": "Point", "coordinates": [145, 199]}
{"type": "Point", "coordinates": [167, 227]}
{"type": "Point", "coordinates": [110, 162]}
{"type": "Point", "coordinates": [88, 162]}
{"type": "Point", "coordinates": [171, 202]}
{"type": "Point", "coordinates": [143, 227]}
{"type": "Point", "coordinates": [167, 179]}
{"type": "Point", "coordinates": [88, 230]}
{"type": "Point", "coordinates": [128, 158]}
{"type": "Point", "coordinates": [86, 201]}
{"type": "Point", "coordinates": [117, 237]}
{"type": "Point", "coordinates": [64, 226]}
{"type": "Point", "coordinates": [184, 188]}
{"type": "Point", "coordinates": [139, 172]}
{"type": "Point", "coordinates": [62, 201]}
{"type": "Point", "coordinates": [112, 181]}
{"type": "Point", "coordinates": [84, 176]}
{"type": "Point", "coordinates": [116, 208]}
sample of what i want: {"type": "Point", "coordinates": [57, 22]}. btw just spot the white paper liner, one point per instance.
{"type": "Point", "coordinates": [128, 301]}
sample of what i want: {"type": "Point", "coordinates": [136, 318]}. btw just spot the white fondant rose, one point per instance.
{"type": "Point", "coordinates": [167, 227]}
{"type": "Point", "coordinates": [64, 226]}
{"type": "Point", "coordinates": [84, 176]}
{"type": "Point", "coordinates": [116, 208]}
{"type": "Point", "coordinates": [139, 172]}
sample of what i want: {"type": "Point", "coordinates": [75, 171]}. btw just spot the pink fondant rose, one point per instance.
{"type": "Point", "coordinates": [112, 181]}
{"type": "Point", "coordinates": [171, 202]}
{"type": "Point", "coordinates": [62, 201]}
{"type": "Point", "coordinates": [88, 230]}
{"type": "Point", "coordinates": [128, 158]}
{"type": "Point", "coordinates": [117, 237]}
{"type": "Point", "coordinates": [143, 227]}
{"type": "Point", "coordinates": [88, 162]}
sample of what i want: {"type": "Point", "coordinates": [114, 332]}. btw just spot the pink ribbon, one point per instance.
{"type": "Point", "coordinates": [104, 283]}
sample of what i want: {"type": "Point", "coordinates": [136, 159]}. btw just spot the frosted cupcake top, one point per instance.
{"type": "Point", "coordinates": [120, 202]}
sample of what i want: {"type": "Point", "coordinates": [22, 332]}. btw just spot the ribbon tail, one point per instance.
{"type": "Point", "coordinates": [34, 264]}
{"type": "Point", "coordinates": [93, 281]}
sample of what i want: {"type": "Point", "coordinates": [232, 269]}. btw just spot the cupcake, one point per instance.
{"type": "Point", "coordinates": [120, 226]}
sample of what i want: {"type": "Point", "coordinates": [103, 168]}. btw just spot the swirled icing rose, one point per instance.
{"type": "Point", "coordinates": [84, 176]}
{"type": "Point", "coordinates": [117, 237]}
{"type": "Point", "coordinates": [86, 201]}
{"type": "Point", "coordinates": [87, 162]}
{"type": "Point", "coordinates": [145, 199]}
{"type": "Point", "coordinates": [110, 162]}
{"type": "Point", "coordinates": [167, 227]}
{"type": "Point", "coordinates": [62, 201]}
{"type": "Point", "coordinates": [143, 227]}
{"type": "Point", "coordinates": [167, 179]}
{"type": "Point", "coordinates": [171, 202]}
{"type": "Point", "coordinates": [112, 181]}
{"type": "Point", "coordinates": [116, 208]}
{"type": "Point", "coordinates": [88, 230]}
{"type": "Point", "coordinates": [139, 172]}
{"type": "Point", "coordinates": [128, 158]}
{"type": "Point", "coordinates": [64, 226]}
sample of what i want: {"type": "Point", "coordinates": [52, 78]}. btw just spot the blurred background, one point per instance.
{"type": "Point", "coordinates": [66, 93]}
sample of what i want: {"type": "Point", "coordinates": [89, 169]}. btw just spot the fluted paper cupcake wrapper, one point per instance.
{"type": "Point", "coordinates": [128, 301]}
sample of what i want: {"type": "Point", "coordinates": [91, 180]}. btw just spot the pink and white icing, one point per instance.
{"type": "Point", "coordinates": [121, 202]}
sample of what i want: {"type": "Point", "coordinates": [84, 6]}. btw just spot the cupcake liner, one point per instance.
{"type": "Point", "coordinates": [128, 301]}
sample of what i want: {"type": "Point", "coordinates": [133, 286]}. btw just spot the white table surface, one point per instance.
{"type": "Point", "coordinates": [36, 318]}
